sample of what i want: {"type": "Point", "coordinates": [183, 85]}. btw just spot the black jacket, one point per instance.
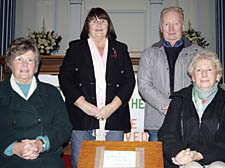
{"type": "Point", "coordinates": [77, 79]}
{"type": "Point", "coordinates": [181, 128]}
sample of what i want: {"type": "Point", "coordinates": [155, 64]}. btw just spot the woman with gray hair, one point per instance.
{"type": "Point", "coordinates": [193, 132]}
{"type": "Point", "coordinates": [33, 119]}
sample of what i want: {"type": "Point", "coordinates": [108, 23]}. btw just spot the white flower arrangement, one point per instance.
{"type": "Point", "coordinates": [48, 42]}
{"type": "Point", "coordinates": [195, 36]}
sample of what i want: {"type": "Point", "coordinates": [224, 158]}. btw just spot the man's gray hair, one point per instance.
{"type": "Point", "coordinates": [172, 8]}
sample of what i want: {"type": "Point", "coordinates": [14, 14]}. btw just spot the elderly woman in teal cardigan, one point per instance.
{"type": "Point", "coordinates": [33, 119]}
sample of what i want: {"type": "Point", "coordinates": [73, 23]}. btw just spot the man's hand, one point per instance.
{"type": "Point", "coordinates": [165, 109]}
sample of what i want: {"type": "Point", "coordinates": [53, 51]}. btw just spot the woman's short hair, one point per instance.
{"type": "Point", "coordinates": [100, 13]}
{"type": "Point", "coordinates": [172, 8]}
{"type": "Point", "coordinates": [207, 55]}
{"type": "Point", "coordinates": [20, 46]}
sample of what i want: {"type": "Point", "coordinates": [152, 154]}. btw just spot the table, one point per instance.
{"type": "Point", "coordinates": [152, 152]}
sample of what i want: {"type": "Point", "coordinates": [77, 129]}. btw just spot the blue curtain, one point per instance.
{"type": "Point", "coordinates": [7, 26]}
{"type": "Point", "coordinates": [220, 32]}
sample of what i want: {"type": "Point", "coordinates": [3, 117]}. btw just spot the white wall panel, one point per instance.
{"type": "Point", "coordinates": [130, 28]}
{"type": "Point", "coordinates": [135, 21]}
{"type": "Point", "coordinates": [116, 4]}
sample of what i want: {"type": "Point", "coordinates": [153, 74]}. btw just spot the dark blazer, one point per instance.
{"type": "Point", "coordinates": [44, 113]}
{"type": "Point", "coordinates": [77, 79]}
{"type": "Point", "coordinates": [181, 128]}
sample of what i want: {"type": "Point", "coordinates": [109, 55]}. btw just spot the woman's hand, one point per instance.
{"type": "Point", "coordinates": [196, 155]}
{"type": "Point", "coordinates": [105, 112]}
{"type": "Point", "coordinates": [183, 157]}
{"type": "Point", "coordinates": [109, 109]}
{"type": "Point", "coordinates": [186, 156]}
{"type": "Point", "coordinates": [86, 107]}
{"type": "Point", "coordinates": [28, 149]}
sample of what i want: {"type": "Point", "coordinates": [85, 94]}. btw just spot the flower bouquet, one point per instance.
{"type": "Point", "coordinates": [195, 36]}
{"type": "Point", "coordinates": [47, 42]}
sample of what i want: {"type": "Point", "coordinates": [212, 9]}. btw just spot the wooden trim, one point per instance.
{"type": "Point", "coordinates": [2, 61]}
{"type": "Point", "coordinates": [51, 64]}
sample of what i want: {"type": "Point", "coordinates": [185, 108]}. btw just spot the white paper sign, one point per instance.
{"type": "Point", "coordinates": [119, 159]}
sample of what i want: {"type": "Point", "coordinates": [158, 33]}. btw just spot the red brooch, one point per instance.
{"type": "Point", "coordinates": [114, 53]}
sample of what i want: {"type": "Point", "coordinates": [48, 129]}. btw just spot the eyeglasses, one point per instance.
{"type": "Point", "coordinates": [206, 70]}
{"type": "Point", "coordinates": [100, 21]}
{"type": "Point", "coordinates": [21, 60]}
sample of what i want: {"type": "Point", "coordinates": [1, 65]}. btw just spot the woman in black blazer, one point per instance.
{"type": "Point", "coordinates": [97, 80]}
